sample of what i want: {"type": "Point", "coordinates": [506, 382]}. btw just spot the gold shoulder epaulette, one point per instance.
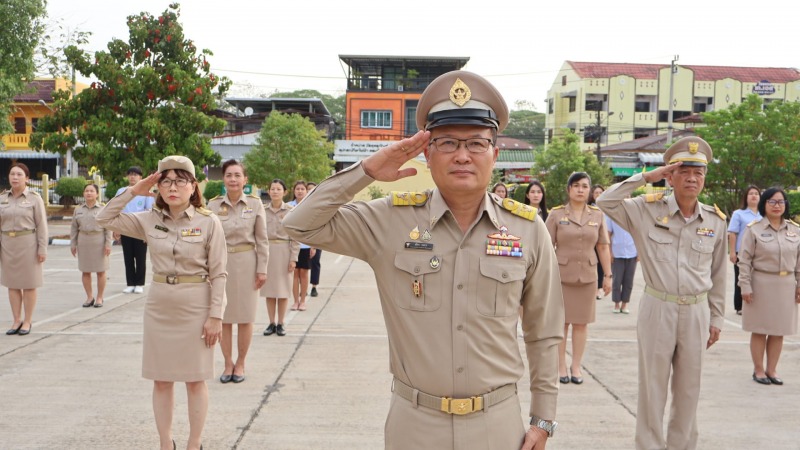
{"type": "Point", "coordinates": [253, 196]}
{"type": "Point", "coordinates": [754, 222]}
{"type": "Point", "coordinates": [204, 211]}
{"type": "Point", "coordinates": [157, 209]}
{"type": "Point", "coordinates": [650, 198]}
{"type": "Point", "coordinates": [594, 207]}
{"type": "Point", "coordinates": [719, 212]}
{"type": "Point", "coordinates": [409, 198]}
{"type": "Point", "coordinates": [793, 222]}
{"type": "Point", "coordinates": [527, 212]}
{"type": "Point", "coordinates": [557, 207]}
{"type": "Point", "coordinates": [215, 198]}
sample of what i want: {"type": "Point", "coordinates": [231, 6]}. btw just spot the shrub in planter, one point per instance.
{"type": "Point", "coordinates": [213, 189]}
{"type": "Point", "coordinates": [69, 188]}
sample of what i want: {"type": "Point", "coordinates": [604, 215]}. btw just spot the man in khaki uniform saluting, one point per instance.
{"type": "Point", "coordinates": [683, 250]}
{"type": "Point", "coordinates": [452, 266]}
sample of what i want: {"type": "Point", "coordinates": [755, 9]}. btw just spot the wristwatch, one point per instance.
{"type": "Point", "coordinates": [547, 425]}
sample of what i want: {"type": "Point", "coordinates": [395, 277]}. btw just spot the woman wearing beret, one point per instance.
{"type": "Point", "coordinates": [245, 224]}
{"type": "Point", "coordinates": [282, 261]}
{"type": "Point", "coordinates": [577, 229]}
{"type": "Point", "coordinates": [185, 304]}
{"type": "Point", "coordinates": [23, 246]}
{"type": "Point", "coordinates": [769, 275]}
{"type": "Point", "coordinates": [92, 244]}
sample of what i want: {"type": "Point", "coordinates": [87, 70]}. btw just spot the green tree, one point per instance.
{"type": "Point", "coordinates": [20, 33]}
{"type": "Point", "coordinates": [152, 99]}
{"type": "Point", "coordinates": [336, 105]}
{"type": "Point", "coordinates": [288, 147]}
{"type": "Point", "coordinates": [563, 156]}
{"type": "Point", "coordinates": [50, 58]}
{"type": "Point", "coordinates": [526, 125]}
{"type": "Point", "coordinates": [753, 144]}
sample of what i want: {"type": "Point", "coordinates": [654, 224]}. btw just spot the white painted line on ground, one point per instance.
{"type": "Point", "coordinates": [72, 311]}
{"type": "Point", "coordinates": [339, 259]}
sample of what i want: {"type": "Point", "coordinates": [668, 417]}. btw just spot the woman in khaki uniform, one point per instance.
{"type": "Point", "coordinates": [577, 230]}
{"type": "Point", "coordinates": [92, 245]}
{"type": "Point", "coordinates": [769, 275]}
{"type": "Point", "coordinates": [245, 224]}
{"type": "Point", "coordinates": [23, 246]}
{"type": "Point", "coordinates": [185, 303]}
{"type": "Point", "coordinates": [283, 259]}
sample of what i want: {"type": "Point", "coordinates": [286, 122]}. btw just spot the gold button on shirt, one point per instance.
{"type": "Point", "coordinates": [190, 244]}
{"type": "Point", "coordinates": [450, 308]}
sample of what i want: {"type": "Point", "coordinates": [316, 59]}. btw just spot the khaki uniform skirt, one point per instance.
{"type": "Point", "coordinates": [19, 259]}
{"type": "Point", "coordinates": [240, 288]}
{"type": "Point", "coordinates": [173, 350]}
{"type": "Point", "coordinates": [279, 279]}
{"type": "Point", "coordinates": [773, 311]}
{"type": "Point", "coordinates": [91, 252]}
{"type": "Point", "coordinates": [579, 301]}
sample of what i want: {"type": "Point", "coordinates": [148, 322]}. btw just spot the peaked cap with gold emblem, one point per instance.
{"type": "Point", "coordinates": [691, 151]}
{"type": "Point", "coordinates": [461, 98]}
{"type": "Point", "coordinates": [176, 162]}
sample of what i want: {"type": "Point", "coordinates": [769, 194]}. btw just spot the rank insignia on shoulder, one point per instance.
{"type": "Point", "coordinates": [527, 212]}
{"type": "Point", "coordinates": [204, 211]}
{"type": "Point", "coordinates": [251, 195]}
{"type": "Point", "coordinates": [650, 198]}
{"type": "Point", "coordinates": [409, 198]}
{"type": "Point", "coordinates": [593, 207]}
{"type": "Point", "coordinates": [720, 213]}
{"type": "Point", "coordinates": [503, 244]}
{"type": "Point", "coordinates": [793, 222]}
{"type": "Point", "coordinates": [759, 220]}
{"type": "Point", "coordinates": [557, 207]}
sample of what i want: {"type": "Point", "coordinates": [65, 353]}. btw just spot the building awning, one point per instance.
{"type": "Point", "coordinates": [569, 94]}
{"type": "Point", "coordinates": [28, 155]}
{"type": "Point", "coordinates": [652, 158]}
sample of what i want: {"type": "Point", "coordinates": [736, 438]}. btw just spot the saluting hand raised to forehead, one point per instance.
{"type": "Point", "coordinates": [384, 165]}
{"type": "Point", "coordinates": [662, 172]}
{"type": "Point", "coordinates": [145, 184]}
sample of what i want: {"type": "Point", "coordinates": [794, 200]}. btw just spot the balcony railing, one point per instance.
{"type": "Point", "coordinates": [387, 84]}
{"type": "Point", "coordinates": [16, 141]}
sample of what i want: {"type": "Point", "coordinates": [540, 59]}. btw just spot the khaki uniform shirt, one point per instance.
{"type": "Point", "coordinates": [276, 231]}
{"type": "Point", "coordinates": [451, 309]}
{"type": "Point", "coordinates": [678, 256]}
{"type": "Point", "coordinates": [575, 242]}
{"type": "Point", "coordinates": [192, 244]}
{"type": "Point", "coordinates": [766, 249]}
{"type": "Point", "coordinates": [84, 220]}
{"type": "Point", "coordinates": [245, 223]}
{"type": "Point", "coordinates": [25, 212]}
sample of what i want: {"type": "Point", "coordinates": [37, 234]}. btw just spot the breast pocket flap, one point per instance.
{"type": "Point", "coordinates": [504, 272]}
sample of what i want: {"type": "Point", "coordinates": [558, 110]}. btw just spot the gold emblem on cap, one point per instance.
{"type": "Point", "coordinates": [693, 147]}
{"type": "Point", "coordinates": [460, 93]}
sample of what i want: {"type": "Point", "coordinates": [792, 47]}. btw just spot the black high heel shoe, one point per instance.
{"type": "Point", "coordinates": [22, 332]}
{"type": "Point", "coordinates": [12, 331]}
{"type": "Point", "coordinates": [574, 379]}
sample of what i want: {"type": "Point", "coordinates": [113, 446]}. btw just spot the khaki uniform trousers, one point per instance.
{"type": "Point", "coordinates": [670, 336]}
{"type": "Point", "coordinates": [421, 428]}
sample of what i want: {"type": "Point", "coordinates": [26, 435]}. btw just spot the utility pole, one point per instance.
{"type": "Point", "coordinates": [69, 150]}
{"type": "Point", "coordinates": [673, 68]}
{"type": "Point", "coordinates": [599, 131]}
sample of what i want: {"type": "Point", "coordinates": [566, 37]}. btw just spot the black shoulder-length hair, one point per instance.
{"type": "Point", "coordinates": [543, 203]}
{"type": "Point", "coordinates": [747, 192]}
{"type": "Point", "coordinates": [766, 195]}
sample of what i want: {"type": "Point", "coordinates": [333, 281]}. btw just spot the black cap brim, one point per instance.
{"type": "Point", "coordinates": [466, 116]}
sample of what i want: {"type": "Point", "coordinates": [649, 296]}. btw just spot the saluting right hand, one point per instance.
{"type": "Point", "coordinates": [145, 184]}
{"type": "Point", "coordinates": [384, 165]}
{"type": "Point", "coordinates": [661, 173]}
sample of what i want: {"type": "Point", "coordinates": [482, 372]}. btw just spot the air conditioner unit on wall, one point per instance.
{"type": "Point", "coordinates": [400, 87]}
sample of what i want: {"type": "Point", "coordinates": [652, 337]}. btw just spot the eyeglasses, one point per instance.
{"type": "Point", "coordinates": [166, 183]}
{"type": "Point", "coordinates": [776, 202]}
{"type": "Point", "coordinates": [450, 145]}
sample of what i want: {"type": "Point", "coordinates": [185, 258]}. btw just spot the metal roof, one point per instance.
{"type": "Point", "coordinates": [657, 143]}
{"type": "Point", "coordinates": [28, 155]}
{"type": "Point", "coordinates": [304, 105]}
{"type": "Point", "coordinates": [372, 59]}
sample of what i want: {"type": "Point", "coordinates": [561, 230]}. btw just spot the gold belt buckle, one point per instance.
{"type": "Point", "coordinates": [783, 273]}
{"type": "Point", "coordinates": [682, 300]}
{"type": "Point", "coordinates": [461, 406]}
{"type": "Point", "coordinates": [172, 279]}
{"type": "Point", "coordinates": [12, 233]}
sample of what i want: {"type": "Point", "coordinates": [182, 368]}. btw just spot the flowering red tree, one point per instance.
{"type": "Point", "coordinates": [151, 99]}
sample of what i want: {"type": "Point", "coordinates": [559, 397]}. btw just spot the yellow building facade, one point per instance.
{"type": "Point", "coordinates": [614, 103]}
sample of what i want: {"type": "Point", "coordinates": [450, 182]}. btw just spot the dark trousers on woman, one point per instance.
{"type": "Point", "coordinates": [134, 251]}
{"type": "Point", "coordinates": [737, 291]}
{"type": "Point", "coordinates": [315, 267]}
{"type": "Point", "coordinates": [622, 284]}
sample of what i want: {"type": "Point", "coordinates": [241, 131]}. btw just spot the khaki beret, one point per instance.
{"type": "Point", "coordinates": [691, 151]}
{"type": "Point", "coordinates": [461, 98]}
{"type": "Point", "coordinates": [176, 162]}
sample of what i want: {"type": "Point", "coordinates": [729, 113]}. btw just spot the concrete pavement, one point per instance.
{"type": "Point", "coordinates": [75, 382]}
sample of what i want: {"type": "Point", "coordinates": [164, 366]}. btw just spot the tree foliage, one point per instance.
{"type": "Point", "coordinates": [51, 58]}
{"type": "Point", "coordinates": [559, 160]}
{"type": "Point", "coordinates": [288, 147]}
{"type": "Point", "coordinates": [526, 125]}
{"type": "Point", "coordinates": [152, 99]}
{"type": "Point", "coordinates": [753, 144]}
{"type": "Point", "coordinates": [20, 34]}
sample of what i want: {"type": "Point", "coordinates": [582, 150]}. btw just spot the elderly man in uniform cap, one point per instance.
{"type": "Point", "coordinates": [682, 247]}
{"type": "Point", "coordinates": [452, 265]}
